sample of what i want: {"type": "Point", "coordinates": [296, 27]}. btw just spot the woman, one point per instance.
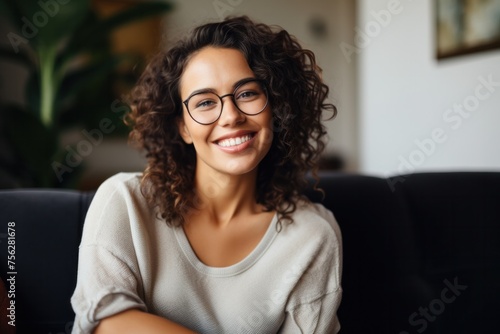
{"type": "Point", "coordinates": [214, 236]}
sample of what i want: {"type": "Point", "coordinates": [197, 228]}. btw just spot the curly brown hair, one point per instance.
{"type": "Point", "coordinates": [297, 96]}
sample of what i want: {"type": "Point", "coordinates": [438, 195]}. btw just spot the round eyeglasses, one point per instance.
{"type": "Point", "coordinates": [205, 107]}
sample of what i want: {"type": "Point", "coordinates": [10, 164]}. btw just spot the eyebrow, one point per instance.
{"type": "Point", "coordinates": [212, 90]}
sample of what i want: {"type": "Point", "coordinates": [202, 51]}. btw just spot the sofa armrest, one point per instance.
{"type": "Point", "coordinates": [47, 227]}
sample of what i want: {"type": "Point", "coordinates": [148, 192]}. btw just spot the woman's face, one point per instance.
{"type": "Point", "coordinates": [236, 143]}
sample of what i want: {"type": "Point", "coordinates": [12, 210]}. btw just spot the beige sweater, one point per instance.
{"type": "Point", "coordinates": [290, 283]}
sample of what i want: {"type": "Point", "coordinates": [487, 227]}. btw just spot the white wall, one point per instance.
{"type": "Point", "coordinates": [406, 95]}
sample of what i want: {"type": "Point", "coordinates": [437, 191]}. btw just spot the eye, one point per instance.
{"type": "Point", "coordinates": [249, 91]}
{"type": "Point", "coordinates": [205, 104]}
{"type": "Point", "coordinates": [247, 95]}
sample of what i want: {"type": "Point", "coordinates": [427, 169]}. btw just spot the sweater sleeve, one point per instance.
{"type": "Point", "coordinates": [319, 316]}
{"type": "Point", "coordinates": [108, 280]}
{"type": "Point", "coordinates": [106, 286]}
{"type": "Point", "coordinates": [313, 305]}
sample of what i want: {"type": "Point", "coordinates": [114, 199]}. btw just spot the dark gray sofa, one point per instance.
{"type": "Point", "coordinates": [421, 252]}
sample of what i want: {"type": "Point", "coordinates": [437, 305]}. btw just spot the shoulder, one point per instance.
{"type": "Point", "coordinates": [122, 190]}
{"type": "Point", "coordinates": [314, 209]}
{"type": "Point", "coordinates": [118, 188]}
{"type": "Point", "coordinates": [121, 182]}
{"type": "Point", "coordinates": [315, 218]}
{"type": "Point", "coordinates": [315, 228]}
{"type": "Point", "coordinates": [117, 204]}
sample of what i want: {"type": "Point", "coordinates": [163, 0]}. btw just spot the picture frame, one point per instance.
{"type": "Point", "coordinates": [466, 26]}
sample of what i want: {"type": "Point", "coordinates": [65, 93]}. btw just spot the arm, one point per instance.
{"type": "Point", "coordinates": [135, 321]}
{"type": "Point", "coordinates": [109, 295]}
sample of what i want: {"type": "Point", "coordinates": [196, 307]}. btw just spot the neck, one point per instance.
{"type": "Point", "coordinates": [223, 197]}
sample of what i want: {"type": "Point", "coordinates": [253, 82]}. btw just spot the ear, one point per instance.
{"type": "Point", "coordinates": [183, 131]}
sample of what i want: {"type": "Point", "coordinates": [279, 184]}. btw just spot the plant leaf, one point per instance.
{"type": "Point", "coordinates": [90, 75]}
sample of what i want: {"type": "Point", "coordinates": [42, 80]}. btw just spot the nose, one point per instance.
{"type": "Point", "coordinates": [231, 115]}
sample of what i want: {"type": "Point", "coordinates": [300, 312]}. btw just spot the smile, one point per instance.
{"type": "Point", "coordinates": [234, 141]}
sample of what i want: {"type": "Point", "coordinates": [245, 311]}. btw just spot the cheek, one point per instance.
{"type": "Point", "coordinates": [266, 118]}
{"type": "Point", "coordinates": [184, 131]}
{"type": "Point", "coordinates": [267, 137]}
{"type": "Point", "coordinates": [198, 133]}
{"type": "Point", "coordinates": [269, 126]}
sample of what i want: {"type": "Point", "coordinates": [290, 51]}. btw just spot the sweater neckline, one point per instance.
{"type": "Point", "coordinates": [234, 269]}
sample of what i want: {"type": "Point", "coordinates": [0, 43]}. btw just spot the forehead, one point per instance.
{"type": "Point", "coordinates": [214, 68]}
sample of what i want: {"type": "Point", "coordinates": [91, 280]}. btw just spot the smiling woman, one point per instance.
{"type": "Point", "coordinates": [214, 236]}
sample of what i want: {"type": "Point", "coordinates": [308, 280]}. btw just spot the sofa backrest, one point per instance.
{"type": "Point", "coordinates": [421, 252]}
{"type": "Point", "coordinates": [382, 263]}
{"type": "Point", "coordinates": [458, 234]}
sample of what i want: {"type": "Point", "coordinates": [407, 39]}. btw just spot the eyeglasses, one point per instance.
{"type": "Point", "coordinates": [250, 97]}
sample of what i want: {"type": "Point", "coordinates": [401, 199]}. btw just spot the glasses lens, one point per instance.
{"type": "Point", "coordinates": [251, 97]}
{"type": "Point", "coordinates": [204, 107]}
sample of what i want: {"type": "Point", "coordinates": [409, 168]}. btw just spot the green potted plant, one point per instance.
{"type": "Point", "coordinates": [65, 46]}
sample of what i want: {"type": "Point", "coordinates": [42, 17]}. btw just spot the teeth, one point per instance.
{"type": "Point", "coordinates": [234, 141]}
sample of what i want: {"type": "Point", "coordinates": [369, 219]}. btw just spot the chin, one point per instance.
{"type": "Point", "coordinates": [235, 167]}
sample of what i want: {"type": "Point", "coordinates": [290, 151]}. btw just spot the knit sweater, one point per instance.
{"type": "Point", "coordinates": [131, 259]}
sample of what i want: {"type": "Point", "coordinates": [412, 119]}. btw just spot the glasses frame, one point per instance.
{"type": "Point", "coordinates": [261, 82]}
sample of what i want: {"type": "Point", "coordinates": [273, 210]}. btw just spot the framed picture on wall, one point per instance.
{"type": "Point", "coordinates": [466, 26]}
